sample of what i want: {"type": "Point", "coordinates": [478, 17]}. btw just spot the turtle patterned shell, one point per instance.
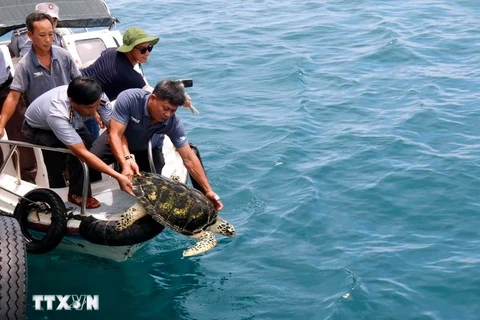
{"type": "Point", "coordinates": [174, 204]}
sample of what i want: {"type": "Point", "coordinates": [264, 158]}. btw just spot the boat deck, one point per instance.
{"type": "Point", "coordinates": [114, 201]}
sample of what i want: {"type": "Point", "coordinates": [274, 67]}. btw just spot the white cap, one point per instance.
{"type": "Point", "coordinates": [49, 8]}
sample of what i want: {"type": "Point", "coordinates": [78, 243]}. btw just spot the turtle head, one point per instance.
{"type": "Point", "coordinates": [223, 227]}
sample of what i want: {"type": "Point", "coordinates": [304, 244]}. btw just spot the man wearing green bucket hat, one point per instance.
{"type": "Point", "coordinates": [115, 67]}
{"type": "Point", "coordinates": [134, 36]}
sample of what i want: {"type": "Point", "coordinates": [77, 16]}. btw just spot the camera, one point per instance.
{"type": "Point", "coordinates": [187, 83]}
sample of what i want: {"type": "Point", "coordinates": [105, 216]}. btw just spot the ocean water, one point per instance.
{"type": "Point", "coordinates": [343, 138]}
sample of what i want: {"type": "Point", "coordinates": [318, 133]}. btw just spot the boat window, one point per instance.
{"type": "Point", "coordinates": [89, 49]}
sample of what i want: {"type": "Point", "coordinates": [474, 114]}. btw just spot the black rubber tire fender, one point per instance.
{"type": "Point", "coordinates": [13, 270]}
{"type": "Point", "coordinates": [104, 233]}
{"type": "Point", "coordinates": [58, 227]}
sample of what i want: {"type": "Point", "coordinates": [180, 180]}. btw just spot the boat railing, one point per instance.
{"type": "Point", "coordinates": [150, 157]}
{"type": "Point", "coordinates": [14, 145]}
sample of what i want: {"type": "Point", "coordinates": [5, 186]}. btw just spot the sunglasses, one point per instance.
{"type": "Point", "coordinates": [145, 49]}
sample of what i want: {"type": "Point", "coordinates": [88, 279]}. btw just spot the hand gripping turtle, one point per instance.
{"type": "Point", "coordinates": [178, 207]}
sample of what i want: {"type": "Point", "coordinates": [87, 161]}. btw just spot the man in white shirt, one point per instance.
{"type": "Point", "coordinates": [55, 119]}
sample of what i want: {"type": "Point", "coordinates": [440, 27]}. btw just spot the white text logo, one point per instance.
{"type": "Point", "coordinates": [67, 302]}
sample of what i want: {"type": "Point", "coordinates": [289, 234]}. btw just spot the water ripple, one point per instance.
{"type": "Point", "coordinates": [343, 139]}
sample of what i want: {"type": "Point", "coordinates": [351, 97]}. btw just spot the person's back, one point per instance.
{"type": "Point", "coordinates": [115, 73]}
{"type": "Point", "coordinates": [20, 43]}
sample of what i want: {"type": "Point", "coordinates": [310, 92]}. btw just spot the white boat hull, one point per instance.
{"type": "Point", "coordinates": [114, 203]}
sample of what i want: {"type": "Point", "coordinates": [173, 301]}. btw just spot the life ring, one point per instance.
{"type": "Point", "coordinates": [104, 233]}
{"type": "Point", "coordinates": [13, 270]}
{"type": "Point", "coordinates": [58, 227]}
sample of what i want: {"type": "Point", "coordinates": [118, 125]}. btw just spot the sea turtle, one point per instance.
{"type": "Point", "coordinates": [178, 207]}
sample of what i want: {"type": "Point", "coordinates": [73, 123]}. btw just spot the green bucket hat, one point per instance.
{"type": "Point", "coordinates": [134, 36]}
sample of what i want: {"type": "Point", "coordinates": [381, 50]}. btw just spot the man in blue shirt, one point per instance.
{"type": "Point", "coordinates": [137, 116]}
{"type": "Point", "coordinates": [56, 119]}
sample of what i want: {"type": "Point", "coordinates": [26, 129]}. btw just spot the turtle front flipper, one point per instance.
{"type": "Point", "coordinates": [207, 241]}
{"type": "Point", "coordinates": [134, 213]}
{"type": "Point", "coordinates": [223, 227]}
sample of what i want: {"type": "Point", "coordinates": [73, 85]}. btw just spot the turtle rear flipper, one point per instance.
{"type": "Point", "coordinates": [207, 241]}
{"type": "Point", "coordinates": [223, 227]}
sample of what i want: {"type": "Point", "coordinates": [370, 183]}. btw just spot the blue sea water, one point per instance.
{"type": "Point", "coordinates": [343, 138]}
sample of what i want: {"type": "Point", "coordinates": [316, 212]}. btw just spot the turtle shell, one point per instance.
{"type": "Point", "coordinates": [174, 204]}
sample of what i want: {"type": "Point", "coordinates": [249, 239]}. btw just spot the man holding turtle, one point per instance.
{"type": "Point", "coordinates": [137, 116]}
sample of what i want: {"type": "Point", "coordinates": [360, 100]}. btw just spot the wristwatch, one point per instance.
{"type": "Point", "coordinates": [129, 156]}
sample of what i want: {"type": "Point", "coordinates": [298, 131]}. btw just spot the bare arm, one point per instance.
{"type": "Point", "coordinates": [194, 167]}
{"type": "Point", "coordinates": [8, 109]}
{"type": "Point", "coordinates": [119, 145]}
{"type": "Point", "coordinates": [117, 141]}
{"type": "Point", "coordinates": [93, 161]}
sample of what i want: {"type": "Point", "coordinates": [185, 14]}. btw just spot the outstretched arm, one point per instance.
{"type": "Point", "coordinates": [194, 167]}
